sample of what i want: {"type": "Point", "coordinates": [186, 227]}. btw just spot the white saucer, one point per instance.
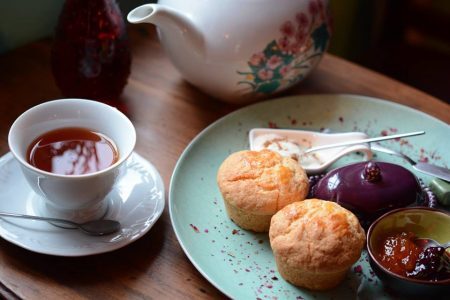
{"type": "Point", "coordinates": [136, 201]}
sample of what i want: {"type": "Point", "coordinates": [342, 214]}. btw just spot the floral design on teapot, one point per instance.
{"type": "Point", "coordinates": [286, 60]}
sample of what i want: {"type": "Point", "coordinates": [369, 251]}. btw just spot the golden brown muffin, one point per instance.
{"type": "Point", "coordinates": [315, 242]}
{"type": "Point", "coordinates": [256, 184]}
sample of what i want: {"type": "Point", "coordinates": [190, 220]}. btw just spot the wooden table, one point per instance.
{"type": "Point", "coordinates": [167, 113]}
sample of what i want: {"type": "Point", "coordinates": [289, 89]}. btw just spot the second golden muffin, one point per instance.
{"type": "Point", "coordinates": [256, 184]}
{"type": "Point", "coordinates": [315, 242]}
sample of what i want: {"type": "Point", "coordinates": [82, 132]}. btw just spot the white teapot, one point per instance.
{"type": "Point", "coordinates": [240, 50]}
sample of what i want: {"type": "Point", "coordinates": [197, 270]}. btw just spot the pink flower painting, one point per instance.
{"type": "Point", "coordinates": [300, 37]}
{"type": "Point", "coordinates": [302, 20]}
{"type": "Point", "coordinates": [257, 59]}
{"type": "Point", "coordinates": [273, 62]}
{"type": "Point", "coordinates": [289, 57]}
{"type": "Point", "coordinates": [313, 7]}
{"type": "Point", "coordinates": [283, 44]}
{"type": "Point", "coordinates": [265, 74]}
{"type": "Point", "coordinates": [288, 29]}
{"type": "Point", "coordinates": [284, 70]}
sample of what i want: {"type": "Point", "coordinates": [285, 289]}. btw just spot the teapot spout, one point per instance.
{"type": "Point", "coordinates": [168, 20]}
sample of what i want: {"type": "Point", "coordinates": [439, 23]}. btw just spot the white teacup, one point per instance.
{"type": "Point", "coordinates": [75, 197]}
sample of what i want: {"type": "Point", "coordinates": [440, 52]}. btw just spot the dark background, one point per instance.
{"type": "Point", "coordinates": [408, 40]}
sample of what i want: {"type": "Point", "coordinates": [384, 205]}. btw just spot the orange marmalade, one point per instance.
{"type": "Point", "coordinates": [398, 253]}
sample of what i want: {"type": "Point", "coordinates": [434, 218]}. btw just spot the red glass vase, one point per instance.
{"type": "Point", "coordinates": [91, 54]}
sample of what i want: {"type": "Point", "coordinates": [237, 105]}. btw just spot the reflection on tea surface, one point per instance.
{"type": "Point", "coordinates": [72, 151]}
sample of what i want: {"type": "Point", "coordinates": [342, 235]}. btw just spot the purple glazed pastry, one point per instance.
{"type": "Point", "coordinates": [369, 189]}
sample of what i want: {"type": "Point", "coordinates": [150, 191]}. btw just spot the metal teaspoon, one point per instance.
{"type": "Point", "coordinates": [369, 140]}
{"type": "Point", "coordinates": [95, 227]}
{"type": "Point", "coordinates": [427, 242]}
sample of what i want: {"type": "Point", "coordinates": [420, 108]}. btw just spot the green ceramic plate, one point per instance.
{"type": "Point", "coordinates": [239, 262]}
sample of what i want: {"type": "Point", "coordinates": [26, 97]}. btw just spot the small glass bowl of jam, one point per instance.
{"type": "Point", "coordinates": [404, 264]}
